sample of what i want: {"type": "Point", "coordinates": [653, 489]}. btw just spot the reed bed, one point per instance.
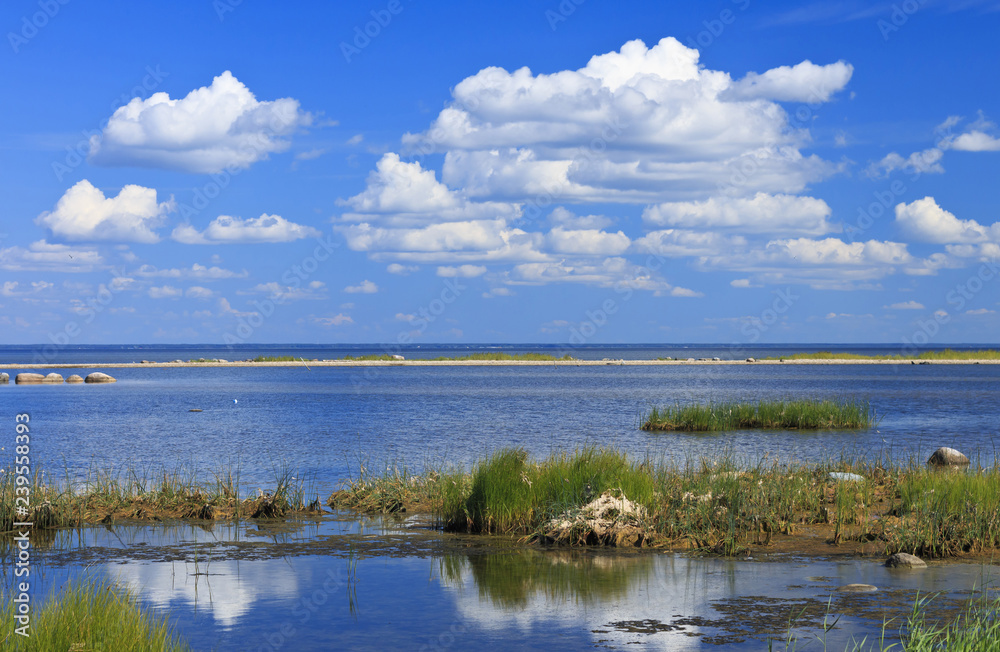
{"type": "Point", "coordinates": [90, 616]}
{"type": "Point", "coordinates": [945, 354]}
{"type": "Point", "coordinates": [107, 495]}
{"type": "Point", "coordinates": [974, 629]}
{"type": "Point", "coordinates": [721, 507]}
{"type": "Point", "coordinates": [770, 415]}
{"type": "Point", "coordinates": [518, 357]}
{"type": "Point", "coordinates": [280, 358]}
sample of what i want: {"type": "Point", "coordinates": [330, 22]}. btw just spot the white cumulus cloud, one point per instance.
{"type": "Point", "coordinates": [211, 129]}
{"type": "Point", "coordinates": [805, 82]}
{"type": "Point", "coordinates": [85, 213]}
{"type": "Point", "coordinates": [923, 219]}
{"type": "Point", "coordinates": [905, 305]}
{"type": "Point", "coordinates": [234, 230]}
{"type": "Point", "coordinates": [663, 125]}
{"type": "Point", "coordinates": [364, 287]}
{"type": "Point", "coordinates": [762, 213]}
{"type": "Point", "coordinates": [165, 292]}
{"type": "Point", "coordinates": [463, 271]}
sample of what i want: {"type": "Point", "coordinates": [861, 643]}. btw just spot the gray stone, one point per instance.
{"type": "Point", "coordinates": [75, 379]}
{"type": "Point", "coordinates": [945, 456]}
{"type": "Point", "coordinates": [396, 356]}
{"type": "Point", "coordinates": [4, 378]}
{"type": "Point", "coordinates": [858, 588]}
{"type": "Point", "coordinates": [751, 359]}
{"type": "Point", "coordinates": [98, 377]}
{"type": "Point", "coordinates": [905, 560]}
{"type": "Point", "coordinates": [53, 378]}
{"type": "Point", "coordinates": [28, 379]}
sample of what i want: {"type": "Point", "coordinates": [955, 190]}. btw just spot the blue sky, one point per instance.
{"type": "Point", "coordinates": [576, 171]}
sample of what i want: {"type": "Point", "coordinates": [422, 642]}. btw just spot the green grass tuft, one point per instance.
{"type": "Point", "coordinates": [90, 616]}
{"type": "Point", "coordinates": [772, 415]}
{"type": "Point", "coordinates": [946, 354]}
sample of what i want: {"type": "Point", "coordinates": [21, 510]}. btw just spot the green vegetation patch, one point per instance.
{"type": "Point", "coordinates": [90, 616]}
{"type": "Point", "coordinates": [718, 507]}
{"type": "Point", "coordinates": [107, 495]}
{"type": "Point", "coordinates": [770, 415]}
{"type": "Point", "coordinates": [517, 357]}
{"type": "Point", "coordinates": [946, 354]}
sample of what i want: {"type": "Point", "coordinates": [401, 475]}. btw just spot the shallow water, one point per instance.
{"type": "Point", "coordinates": [341, 583]}
{"type": "Point", "coordinates": [347, 582]}
{"type": "Point", "coordinates": [325, 422]}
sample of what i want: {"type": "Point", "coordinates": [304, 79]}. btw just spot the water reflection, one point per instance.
{"type": "Point", "coordinates": [227, 590]}
{"type": "Point", "coordinates": [321, 588]}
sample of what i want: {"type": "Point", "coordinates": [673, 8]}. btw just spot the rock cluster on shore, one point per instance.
{"type": "Point", "coordinates": [53, 378]}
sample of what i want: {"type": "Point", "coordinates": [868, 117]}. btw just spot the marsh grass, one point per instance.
{"type": "Point", "coordinates": [771, 415]}
{"type": "Point", "coordinates": [976, 628]}
{"type": "Point", "coordinates": [371, 357]}
{"type": "Point", "coordinates": [944, 513]}
{"type": "Point", "coordinates": [152, 493]}
{"type": "Point", "coordinates": [280, 358]}
{"type": "Point", "coordinates": [945, 354]}
{"type": "Point", "coordinates": [518, 357]}
{"type": "Point", "coordinates": [509, 494]}
{"type": "Point", "coordinates": [88, 615]}
{"type": "Point", "coordinates": [720, 506]}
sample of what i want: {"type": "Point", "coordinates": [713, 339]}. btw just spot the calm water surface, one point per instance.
{"type": "Point", "coordinates": [376, 585]}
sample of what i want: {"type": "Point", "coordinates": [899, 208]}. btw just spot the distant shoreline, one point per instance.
{"type": "Point", "coordinates": [482, 363]}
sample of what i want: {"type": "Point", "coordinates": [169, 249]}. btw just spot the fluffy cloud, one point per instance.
{"type": "Point", "coordinates": [463, 271]}
{"type": "Point", "coordinates": [195, 271]}
{"type": "Point", "coordinates": [925, 162]}
{"type": "Point", "coordinates": [564, 218]}
{"type": "Point", "coordinates": [42, 256]}
{"type": "Point", "coordinates": [337, 320]}
{"type": "Point", "coordinates": [586, 241]}
{"type": "Point", "coordinates": [213, 128]}
{"type": "Point", "coordinates": [234, 230]}
{"type": "Point", "coordinates": [451, 236]}
{"type": "Point", "coordinates": [401, 270]}
{"type": "Point", "coordinates": [978, 137]}
{"type": "Point", "coordinates": [923, 219]}
{"type": "Point", "coordinates": [364, 287]}
{"type": "Point", "coordinates": [905, 305]}
{"type": "Point", "coordinates": [198, 292]}
{"type": "Point", "coordinates": [610, 272]}
{"type": "Point", "coordinates": [678, 243]}
{"type": "Point", "coordinates": [641, 124]}
{"type": "Point", "coordinates": [282, 293]}
{"type": "Point", "coordinates": [84, 213]}
{"type": "Point", "coordinates": [165, 292]}
{"type": "Point", "coordinates": [976, 141]}
{"type": "Point", "coordinates": [405, 194]}
{"type": "Point", "coordinates": [805, 82]}
{"type": "Point", "coordinates": [823, 264]}
{"type": "Point", "coordinates": [762, 213]}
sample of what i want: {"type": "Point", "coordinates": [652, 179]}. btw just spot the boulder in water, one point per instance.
{"type": "Point", "coordinates": [29, 379]}
{"type": "Point", "coordinates": [905, 560]}
{"type": "Point", "coordinates": [75, 379]}
{"type": "Point", "coordinates": [945, 456]}
{"type": "Point", "coordinates": [98, 377]}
